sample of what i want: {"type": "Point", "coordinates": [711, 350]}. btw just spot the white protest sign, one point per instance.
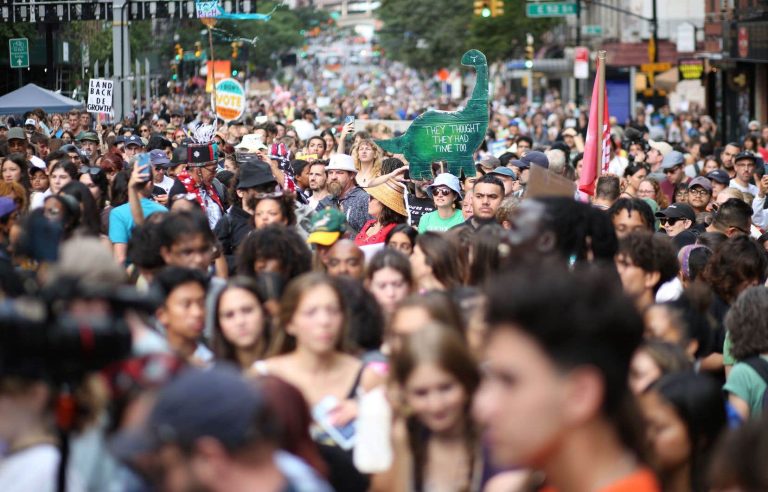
{"type": "Point", "coordinates": [100, 96]}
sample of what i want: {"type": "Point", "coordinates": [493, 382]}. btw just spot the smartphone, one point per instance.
{"type": "Point", "coordinates": [349, 119]}
{"type": "Point", "coordinates": [407, 174]}
{"type": "Point", "coordinates": [343, 436]}
{"type": "Point", "coordinates": [143, 161]}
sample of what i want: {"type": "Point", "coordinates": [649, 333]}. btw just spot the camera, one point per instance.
{"type": "Point", "coordinates": [42, 338]}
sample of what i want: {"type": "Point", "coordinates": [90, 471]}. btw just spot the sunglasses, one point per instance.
{"type": "Point", "coordinates": [442, 192]}
{"type": "Point", "coordinates": [89, 170]}
{"type": "Point", "coordinates": [274, 194]}
{"type": "Point", "coordinates": [671, 221]}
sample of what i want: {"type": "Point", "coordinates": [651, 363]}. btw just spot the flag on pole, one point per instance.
{"type": "Point", "coordinates": [596, 156]}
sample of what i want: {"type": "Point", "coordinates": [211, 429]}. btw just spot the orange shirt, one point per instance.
{"type": "Point", "coordinates": [641, 480]}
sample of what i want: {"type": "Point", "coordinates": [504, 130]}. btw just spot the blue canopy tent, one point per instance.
{"type": "Point", "coordinates": [32, 96]}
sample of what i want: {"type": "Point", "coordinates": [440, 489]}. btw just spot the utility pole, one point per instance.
{"type": "Point", "coordinates": [577, 86]}
{"type": "Point", "coordinates": [121, 54]}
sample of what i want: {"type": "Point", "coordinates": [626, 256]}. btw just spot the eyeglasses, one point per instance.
{"type": "Point", "coordinates": [89, 170]}
{"type": "Point", "coordinates": [142, 130]}
{"type": "Point", "coordinates": [671, 170]}
{"type": "Point", "coordinates": [698, 192]}
{"type": "Point", "coordinates": [671, 220]}
{"type": "Point", "coordinates": [442, 192]}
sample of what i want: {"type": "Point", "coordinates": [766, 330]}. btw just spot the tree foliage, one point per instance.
{"type": "Point", "coordinates": [435, 34]}
{"type": "Point", "coordinates": [426, 35]}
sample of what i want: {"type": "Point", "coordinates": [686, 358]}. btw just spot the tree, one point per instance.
{"type": "Point", "coordinates": [426, 35]}
{"type": "Point", "coordinates": [435, 34]}
{"type": "Point", "coordinates": [503, 37]}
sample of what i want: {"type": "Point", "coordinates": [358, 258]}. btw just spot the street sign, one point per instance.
{"type": "Point", "coordinates": [580, 62]}
{"type": "Point", "coordinates": [550, 9]}
{"type": "Point", "coordinates": [655, 67]}
{"type": "Point", "coordinates": [592, 30]}
{"type": "Point", "coordinates": [19, 52]}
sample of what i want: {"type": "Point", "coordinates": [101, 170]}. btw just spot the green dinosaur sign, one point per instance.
{"type": "Point", "coordinates": [451, 136]}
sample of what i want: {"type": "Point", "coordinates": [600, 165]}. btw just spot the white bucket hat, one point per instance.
{"type": "Point", "coordinates": [341, 162]}
{"type": "Point", "coordinates": [446, 179]}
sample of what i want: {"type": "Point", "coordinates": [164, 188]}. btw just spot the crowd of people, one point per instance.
{"type": "Point", "coordinates": [275, 304]}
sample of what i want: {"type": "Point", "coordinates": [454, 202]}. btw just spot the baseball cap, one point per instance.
{"type": "Point", "coordinates": [134, 140]}
{"type": "Point", "coordinates": [745, 155]}
{"type": "Point", "coordinates": [158, 157]}
{"type": "Point", "coordinates": [341, 162]}
{"type": "Point", "coordinates": [488, 162]}
{"type": "Point", "coordinates": [7, 206]}
{"type": "Point", "coordinates": [677, 211]}
{"type": "Point", "coordinates": [215, 402]}
{"type": "Point", "coordinates": [504, 171]}
{"type": "Point", "coordinates": [534, 157]}
{"type": "Point", "coordinates": [254, 172]}
{"type": "Point", "coordinates": [445, 179]}
{"type": "Point", "coordinates": [90, 136]}
{"type": "Point", "coordinates": [327, 226]}
{"type": "Point", "coordinates": [663, 147]}
{"type": "Point", "coordinates": [119, 139]}
{"type": "Point", "coordinates": [701, 181]}
{"type": "Point", "coordinates": [16, 133]}
{"type": "Point", "coordinates": [37, 163]}
{"type": "Point", "coordinates": [30, 122]}
{"type": "Point", "coordinates": [672, 159]}
{"type": "Point", "coordinates": [719, 175]}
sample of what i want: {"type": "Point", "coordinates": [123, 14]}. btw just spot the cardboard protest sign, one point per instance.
{"type": "Point", "coordinates": [230, 99]}
{"type": "Point", "coordinates": [207, 9]}
{"type": "Point", "coordinates": [545, 183]}
{"type": "Point", "coordinates": [100, 96]}
{"type": "Point", "coordinates": [451, 136]}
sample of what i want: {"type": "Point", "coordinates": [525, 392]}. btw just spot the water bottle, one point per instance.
{"type": "Point", "coordinates": [373, 446]}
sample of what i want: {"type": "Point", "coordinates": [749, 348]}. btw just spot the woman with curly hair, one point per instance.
{"type": "Point", "coordinates": [275, 249]}
{"type": "Point", "coordinates": [272, 208]}
{"type": "Point", "coordinates": [748, 334]}
{"type": "Point", "coordinates": [649, 188]}
{"type": "Point", "coordinates": [367, 157]}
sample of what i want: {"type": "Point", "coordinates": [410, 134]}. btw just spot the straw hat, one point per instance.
{"type": "Point", "coordinates": [391, 195]}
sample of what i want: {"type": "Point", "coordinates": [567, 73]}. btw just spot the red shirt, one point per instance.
{"type": "Point", "coordinates": [363, 239]}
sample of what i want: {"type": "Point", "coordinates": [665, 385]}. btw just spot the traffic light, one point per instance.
{"type": "Point", "coordinates": [198, 49]}
{"type": "Point", "coordinates": [497, 8]}
{"type": "Point", "coordinates": [179, 52]}
{"type": "Point", "coordinates": [235, 46]}
{"type": "Point", "coordinates": [483, 8]}
{"type": "Point", "coordinates": [529, 56]}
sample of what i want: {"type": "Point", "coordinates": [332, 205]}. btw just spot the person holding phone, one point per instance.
{"type": "Point", "coordinates": [122, 219]}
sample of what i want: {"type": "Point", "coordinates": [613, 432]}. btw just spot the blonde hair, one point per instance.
{"type": "Point", "coordinates": [377, 153]}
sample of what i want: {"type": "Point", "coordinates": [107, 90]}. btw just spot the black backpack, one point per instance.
{"type": "Point", "coordinates": [760, 366]}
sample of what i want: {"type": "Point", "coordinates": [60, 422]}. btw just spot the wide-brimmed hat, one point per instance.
{"type": "Point", "coordinates": [390, 194]}
{"type": "Point", "coordinates": [341, 162]}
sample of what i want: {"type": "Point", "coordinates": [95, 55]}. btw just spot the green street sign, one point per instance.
{"type": "Point", "coordinates": [592, 30]}
{"type": "Point", "coordinates": [19, 52]}
{"type": "Point", "coordinates": [550, 9]}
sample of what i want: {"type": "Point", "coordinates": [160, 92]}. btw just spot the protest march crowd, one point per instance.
{"type": "Point", "coordinates": [275, 304]}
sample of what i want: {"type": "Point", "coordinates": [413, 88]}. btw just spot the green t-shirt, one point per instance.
{"type": "Point", "coordinates": [433, 222]}
{"type": "Point", "coordinates": [746, 383]}
{"type": "Point", "coordinates": [728, 359]}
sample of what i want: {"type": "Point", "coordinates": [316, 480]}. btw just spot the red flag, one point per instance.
{"type": "Point", "coordinates": [588, 176]}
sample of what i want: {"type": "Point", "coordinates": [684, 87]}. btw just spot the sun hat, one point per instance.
{"type": "Point", "coordinates": [327, 226]}
{"type": "Point", "coordinates": [390, 194]}
{"type": "Point", "coordinates": [448, 180]}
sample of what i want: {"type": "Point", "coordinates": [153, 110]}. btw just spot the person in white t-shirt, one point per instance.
{"type": "Point", "coordinates": [744, 165]}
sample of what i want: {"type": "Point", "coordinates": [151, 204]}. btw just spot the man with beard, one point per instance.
{"type": "Point", "coordinates": [727, 157]}
{"type": "Point", "coordinates": [344, 193]}
{"type": "Point", "coordinates": [744, 168]}
{"type": "Point", "coordinates": [318, 179]}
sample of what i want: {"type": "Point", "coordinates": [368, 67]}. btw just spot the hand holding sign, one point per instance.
{"type": "Point", "coordinates": [451, 136]}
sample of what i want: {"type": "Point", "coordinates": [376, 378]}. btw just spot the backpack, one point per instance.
{"type": "Point", "coordinates": [760, 366]}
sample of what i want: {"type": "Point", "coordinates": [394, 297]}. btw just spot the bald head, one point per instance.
{"type": "Point", "coordinates": [345, 258]}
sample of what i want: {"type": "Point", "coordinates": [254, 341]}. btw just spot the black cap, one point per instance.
{"type": "Point", "coordinates": [677, 211]}
{"type": "Point", "coordinates": [534, 157]}
{"type": "Point", "coordinates": [254, 172]}
{"type": "Point", "coordinates": [719, 176]}
{"type": "Point", "coordinates": [745, 155]}
{"type": "Point", "coordinates": [199, 155]}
